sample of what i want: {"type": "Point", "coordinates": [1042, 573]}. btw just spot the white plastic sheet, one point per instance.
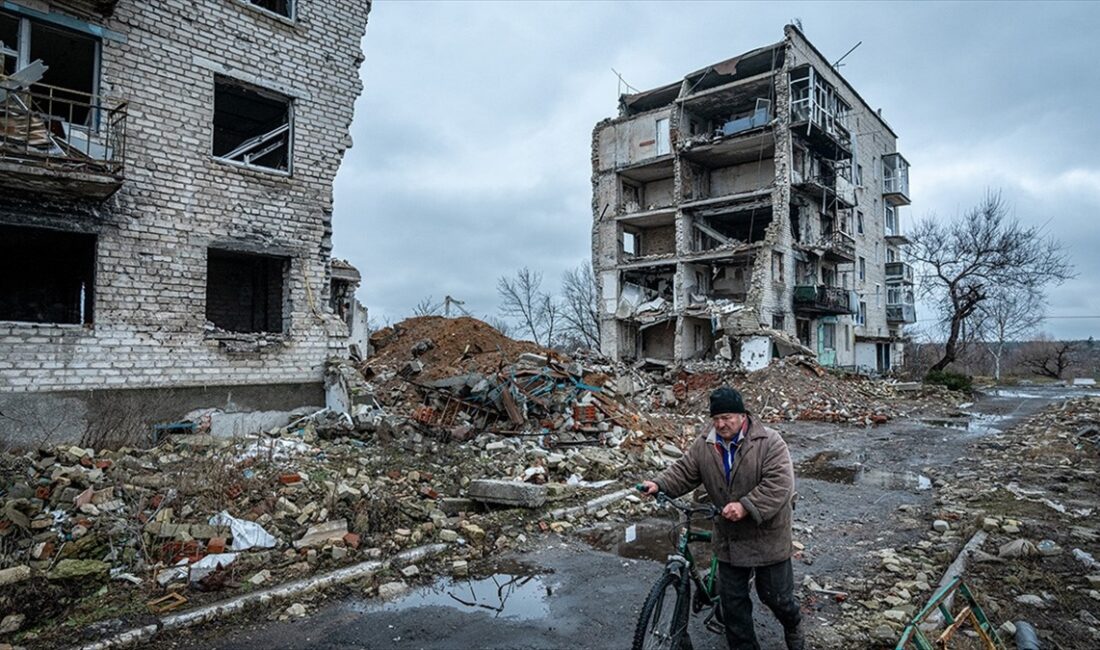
{"type": "Point", "coordinates": [246, 534]}
{"type": "Point", "coordinates": [210, 564]}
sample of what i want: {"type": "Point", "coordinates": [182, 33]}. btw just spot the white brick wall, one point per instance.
{"type": "Point", "coordinates": [177, 200]}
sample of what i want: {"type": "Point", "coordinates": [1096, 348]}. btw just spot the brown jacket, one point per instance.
{"type": "Point", "coordinates": [762, 480]}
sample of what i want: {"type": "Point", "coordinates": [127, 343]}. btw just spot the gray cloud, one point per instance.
{"type": "Point", "coordinates": [472, 137]}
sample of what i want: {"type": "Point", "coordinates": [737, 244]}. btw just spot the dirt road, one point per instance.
{"type": "Point", "coordinates": [858, 489]}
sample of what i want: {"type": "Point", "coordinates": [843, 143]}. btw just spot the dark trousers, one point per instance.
{"type": "Point", "coordinates": [774, 586]}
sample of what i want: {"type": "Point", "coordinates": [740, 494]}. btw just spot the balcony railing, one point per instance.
{"type": "Point", "coordinates": [895, 182]}
{"type": "Point", "coordinates": [839, 245]}
{"type": "Point", "coordinates": [901, 313]}
{"type": "Point", "coordinates": [60, 141]}
{"type": "Point", "coordinates": [821, 299]}
{"type": "Point", "coordinates": [899, 273]}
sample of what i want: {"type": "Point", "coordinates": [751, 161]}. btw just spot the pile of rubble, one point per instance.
{"type": "Point", "coordinates": [1018, 514]}
{"type": "Point", "coordinates": [130, 533]}
{"type": "Point", "coordinates": [453, 378]}
{"type": "Point", "coordinates": [436, 438]}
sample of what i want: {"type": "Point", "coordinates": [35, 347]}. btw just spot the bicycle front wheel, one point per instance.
{"type": "Point", "coordinates": [662, 625]}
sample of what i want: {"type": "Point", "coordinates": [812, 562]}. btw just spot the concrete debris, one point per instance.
{"type": "Point", "coordinates": [393, 462]}
{"type": "Point", "coordinates": [509, 493]}
{"type": "Point", "coordinates": [391, 590]}
{"type": "Point", "coordinates": [322, 534]}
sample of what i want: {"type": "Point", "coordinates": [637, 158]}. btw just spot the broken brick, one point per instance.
{"type": "Point", "coordinates": [351, 540]}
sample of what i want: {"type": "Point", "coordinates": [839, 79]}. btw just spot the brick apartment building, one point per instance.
{"type": "Point", "coordinates": [166, 174]}
{"type": "Point", "coordinates": [750, 205]}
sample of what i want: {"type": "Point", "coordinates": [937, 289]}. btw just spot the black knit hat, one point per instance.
{"type": "Point", "coordinates": [726, 400]}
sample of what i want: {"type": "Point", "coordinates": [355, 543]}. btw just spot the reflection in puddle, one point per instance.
{"type": "Point", "coordinates": [654, 539]}
{"type": "Point", "coordinates": [503, 595]}
{"type": "Point", "coordinates": [976, 423]}
{"type": "Point", "coordinates": [824, 467]}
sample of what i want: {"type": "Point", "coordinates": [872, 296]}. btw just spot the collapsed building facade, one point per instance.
{"type": "Point", "coordinates": [750, 207]}
{"type": "Point", "coordinates": [166, 175]}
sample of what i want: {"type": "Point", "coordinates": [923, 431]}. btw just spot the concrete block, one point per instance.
{"type": "Point", "coordinates": [508, 493]}
{"type": "Point", "coordinates": [321, 534]}
{"type": "Point", "coordinates": [14, 574]}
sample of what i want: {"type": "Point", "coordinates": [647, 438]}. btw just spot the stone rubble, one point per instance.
{"type": "Point", "coordinates": [86, 531]}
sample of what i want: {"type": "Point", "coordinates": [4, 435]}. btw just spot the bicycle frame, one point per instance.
{"type": "Point", "coordinates": [683, 561]}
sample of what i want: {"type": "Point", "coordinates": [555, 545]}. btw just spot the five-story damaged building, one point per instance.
{"type": "Point", "coordinates": [749, 210]}
{"type": "Point", "coordinates": [166, 175]}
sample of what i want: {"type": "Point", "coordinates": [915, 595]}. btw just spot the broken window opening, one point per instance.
{"type": "Point", "coordinates": [9, 44]}
{"type": "Point", "coordinates": [69, 81]}
{"type": "Point", "coordinates": [663, 136]}
{"type": "Point", "coordinates": [777, 322]}
{"type": "Point", "coordinates": [251, 125]}
{"type": "Point", "coordinates": [828, 336]}
{"type": "Point", "coordinates": [630, 244]}
{"type": "Point", "coordinates": [777, 266]}
{"type": "Point", "coordinates": [281, 7]}
{"type": "Point", "coordinates": [730, 229]}
{"type": "Point", "coordinates": [728, 281]}
{"type": "Point", "coordinates": [46, 276]}
{"type": "Point", "coordinates": [244, 291]}
{"type": "Point", "coordinates": [649, 241]}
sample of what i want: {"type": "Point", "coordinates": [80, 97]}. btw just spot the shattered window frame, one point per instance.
{"type": "Point", "coordinates": [247, 155]}
{"type": "Point", "coordinates": [78, 108]}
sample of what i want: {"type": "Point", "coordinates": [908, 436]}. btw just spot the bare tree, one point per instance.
{"type": "Point", "coordinates": [499, 324]}
{"type": "Point", "coordinates": [427, 307]}
{"type": "Point", "coordinates": [1048, 358]}
{"type": "Point", "coordinates": [522, 300]}
{"type": "Point", "coordinates": [964, 259]}
{"type": "Point", "coordinates": [580, 309]}
{"type": "Point", "coordinates": [1008, 316]}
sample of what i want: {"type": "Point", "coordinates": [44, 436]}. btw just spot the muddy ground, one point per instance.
{"type": "Point", "coordinates": [862, 490]}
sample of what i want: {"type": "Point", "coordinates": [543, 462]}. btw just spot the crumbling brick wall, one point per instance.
{"type": "Point", "coordinates": [178, 201]}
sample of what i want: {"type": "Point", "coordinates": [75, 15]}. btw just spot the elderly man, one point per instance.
{"type": "Point", "coordinates": [746, 470]}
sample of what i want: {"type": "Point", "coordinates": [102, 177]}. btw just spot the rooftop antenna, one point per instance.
{"type": "Point", "coordinates": [838, 63]}
{"type": "Point", "coordinates": [798, 23]}
{"type": "Point", "coordinates": [623, 83]}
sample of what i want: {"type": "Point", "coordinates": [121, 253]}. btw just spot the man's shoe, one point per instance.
{"type": "Point", "coordinates": [795, 638]}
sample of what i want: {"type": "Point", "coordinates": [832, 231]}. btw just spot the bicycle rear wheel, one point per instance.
{"type": "Point", "coordinates": [662, 624]}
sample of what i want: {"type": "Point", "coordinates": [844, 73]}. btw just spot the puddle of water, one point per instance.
{"type": "Point", "coordinates": [824, 467]}
{"type": "Point", "coordinates": [1015, 394]}
{"type": "Point", "coordinates": [976, 423]}
{"type": "Point", "coordinates": [652, 540]}
{"type": "Point", "coordinates": [503, 595]}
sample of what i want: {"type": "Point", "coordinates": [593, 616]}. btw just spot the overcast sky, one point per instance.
{"type": "Point", "coordinates": [472, 152]}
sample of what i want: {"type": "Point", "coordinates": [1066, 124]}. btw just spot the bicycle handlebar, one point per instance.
{"type": "Point", "coordinates": [709, 509]}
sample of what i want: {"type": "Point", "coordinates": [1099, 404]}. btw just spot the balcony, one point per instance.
{"type": "Point", "coordinates": [819, 114]}
{"type": "Point", "coordinates": [822, 300]}
{"type": "Point", "coordinates": [899, 273]}
{"type": "Point", "coordinates": [895, 181]}
{"type": "Point", "coordinates": [901, 313]}
{"type": "Point", "coordinates": [838, 246]}
{"type": "Point", "coordinates": [61, 143]}
{"type": "Point", "coordinates": [892, 220]}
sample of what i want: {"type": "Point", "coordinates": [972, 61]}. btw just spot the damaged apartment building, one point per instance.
{"type": "Point", "coordinates": [166, 175]}
{"type": "Point", "coordinates": [750, 210]}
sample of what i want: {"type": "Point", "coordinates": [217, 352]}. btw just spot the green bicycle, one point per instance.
{"type": "Point", "coordinates": [663, 621]}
